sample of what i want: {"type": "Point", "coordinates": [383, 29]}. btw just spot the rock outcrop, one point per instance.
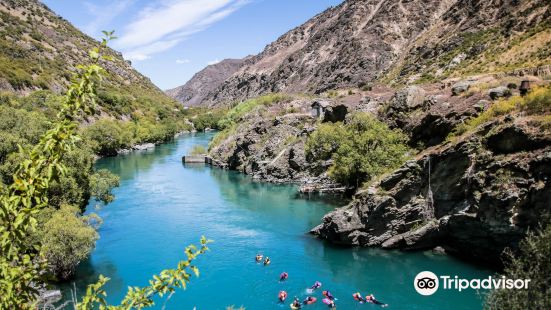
{"type": "Point", "coordinates": [269, 145]}
{"type": "Point", "coordinates": [480, 197]}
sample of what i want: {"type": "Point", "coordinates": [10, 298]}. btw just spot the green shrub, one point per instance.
{"type": "Point", "coordinates": [242, 108]}
{"type": "Point", "coordinates": [209, 119]}
{"type": "Point", "coordinates": [101, 184]}
{"type": "Point", "coordinates": [532, 262]}
{"type": "Point", "coordinates": [325, 141]}
{"type": "Point", "coordinates": [361, 149]}
{"type": "Point", "coordinates": [198, 150]}
{"type": "Point", "coordinates": [105, 137]}
{"type": "Point", "coordinates": [538, 101]}
{"type": "Point", "coordinates": [67, 239]}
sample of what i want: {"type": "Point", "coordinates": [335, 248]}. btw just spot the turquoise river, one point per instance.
{"type": "Point", "coordinates": [161, 206]}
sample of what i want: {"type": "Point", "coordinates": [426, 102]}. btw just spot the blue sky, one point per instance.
{"type": "Point", "coordinates": [170, 40]}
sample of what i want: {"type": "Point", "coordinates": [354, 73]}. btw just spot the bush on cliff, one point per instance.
{"type": "Point", "coordinates": [325, 141]}
{"type": "Point", "coordinates": [532, 262]}
{"type": "Point", "coordinates": [208, 119]}
{"type": "Point", "coordinates": [537, 102]}
{"type": "Point", "coordinates": [360, 149]}
{"type": "Point", "coordinates": [242, 108]}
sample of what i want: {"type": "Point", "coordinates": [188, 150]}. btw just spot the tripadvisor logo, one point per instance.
{"type": "Point", "coordinates": [426, 283]}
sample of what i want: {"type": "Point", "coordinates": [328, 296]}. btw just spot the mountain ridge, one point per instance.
{"type": "Point", "coordinates": [400, 42]}
{"type": "Point", "coordinates": [197, 88]}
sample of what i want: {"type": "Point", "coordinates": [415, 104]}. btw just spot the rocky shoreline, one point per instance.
{"type": "Point", "coordinates": [484, 191]}
{"type": "Point", "coordinates": [481, 196]}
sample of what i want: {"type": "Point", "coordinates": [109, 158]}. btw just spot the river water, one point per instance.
{"type": "Point", "coordinates": [162, 206]}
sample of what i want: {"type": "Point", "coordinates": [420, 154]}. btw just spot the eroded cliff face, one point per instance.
{"type": "Point", "coordinates": [481, 196]}
{"type": "Point", "coordinates": [345, 46]}
{"type": "Point", "coordinates": [269, 145]}
{"type": "Point", "coordinates": [365, 41]}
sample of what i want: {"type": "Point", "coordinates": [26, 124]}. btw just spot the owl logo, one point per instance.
{"type": "Point", "coordinates": [426, 283]}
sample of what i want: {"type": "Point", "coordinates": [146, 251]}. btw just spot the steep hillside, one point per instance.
{"type": "Point", "coordinates": [203, 82]}
{"type": "Point", "coordinates": [39, 51]}
{"type": "Point", "coordinates": [361, 42]}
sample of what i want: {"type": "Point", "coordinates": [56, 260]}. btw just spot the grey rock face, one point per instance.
{"type": "Point", "coordinates": [271, 150]}
{"type": "Point", "coordinates": [345, 46]}
{"type": "Point", "coordinates": [408, 98]}
{"type": "Point", "coordinates": [483, 202]}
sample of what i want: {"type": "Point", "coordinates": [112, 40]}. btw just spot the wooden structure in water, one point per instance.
{"type": "Point", "coordinates": [196, 159]}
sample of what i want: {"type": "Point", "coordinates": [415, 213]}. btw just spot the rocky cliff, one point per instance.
{"type": "Point", "coordinates": [268, 144]}
{"type": "Point", "coordinates": [475, 197]}
{"type": "Point", "coordinates": [431, 69]}
{"type": "Point", "coordinates": [203, 82]}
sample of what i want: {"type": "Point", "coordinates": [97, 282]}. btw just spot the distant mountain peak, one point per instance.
{"type": "Point", "coordinates": [203, 82]}
{"type": "Point", "coordinates": [391, 42]}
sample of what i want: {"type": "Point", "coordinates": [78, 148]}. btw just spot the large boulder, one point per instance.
{"type": "Point", "coordinates": [499, 92]}
{"type": "Point", "coordinates": [461, 87]}
{"type": "Point", "coordinates": [407, 99]}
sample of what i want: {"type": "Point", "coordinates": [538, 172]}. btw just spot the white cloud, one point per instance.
{"type": "Point", "coordinates": [103, 15]}
{"type": "Point", "coordinates": [144, 52]}
{"type": "Point", "coordinates": [213, 62]}
{"type": "Point", "coordinates": [182, 61]}
{"type": "Point", "coordinates": [171, 21]}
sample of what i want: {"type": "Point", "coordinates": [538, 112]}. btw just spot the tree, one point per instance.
{"type": "Point", "coordinates": [370, 149]}
{"type": "Point", "coordinates": [101, 184]}
{"type": "Point", "coordinates": [66, 240]}
{"type": "Point", "coordinates": [361, 148]}
{"type": "Point", "coordinates": [532, 262]}
{"type": "Point", "coordinates": [21, 263]}
{"type": "Point", "coordinates": [325, 141]}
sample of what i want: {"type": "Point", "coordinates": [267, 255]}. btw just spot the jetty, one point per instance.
{"type": "Point", "coordinates": [197, 159]}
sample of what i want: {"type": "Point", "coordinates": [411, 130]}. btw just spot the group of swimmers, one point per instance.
{"type": "Point", "coordinates": [259, 258]}
{"type": "Point", "coordinates": [328, 299]}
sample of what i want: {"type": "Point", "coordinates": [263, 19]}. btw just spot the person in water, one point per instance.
{"type": "Point", "coordinates": [328, 295]}
{"type": "Point", "coordinates": [258, 258]}
{"type": "Point", "coordinates": [296, 303]}
{"type": "Point", "coordinates": [373, 300]}
{"type": "Point", "coordinates": [283, 276]}
{"type": "Point", "coordinates": [267, 261]}
{"type": "Point", "coordinates": [309, 300]}
{"type": "Point", "coordinates": [316, 285]}
{"type": "Point", "coordinates": [331, 304]}
{"type": "Point", "coordinates": [358, 297]}
{"type": "Point", "coordinates": [282, 296]}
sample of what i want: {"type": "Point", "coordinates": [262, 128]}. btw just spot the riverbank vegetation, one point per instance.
{"type": "Point", "coordinates": [531, 262]}
{"type": "Point", "coordinates": [240, 109]}
{"type": "Point", "coordinates": [360, 149]}
{"type": "Point", "coordinates": [36, 237]}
